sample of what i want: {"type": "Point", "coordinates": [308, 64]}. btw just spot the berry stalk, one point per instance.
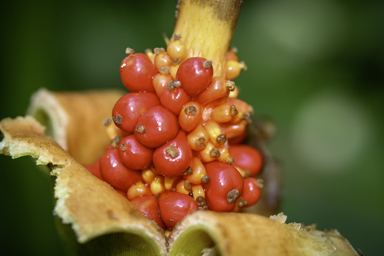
{"type": "Point", "coordinates": [207, 28]}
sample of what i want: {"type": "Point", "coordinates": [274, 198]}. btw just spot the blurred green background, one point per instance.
{"type": "Point", "coordinates": [314, 67]}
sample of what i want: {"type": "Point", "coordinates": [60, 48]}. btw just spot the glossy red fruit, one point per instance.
{"type": "Point", "coordinates": [149, 207]}
{"type": "Point", "coordinates": [251, 191]}
{"type": "Point", "coordinates": [224, 187]}
{"type": "Point", "coordinates": [174, 100]}
{"type": "Point", "coordinates": [156, 126]}
{"type": "Point", "coordinates": [94, 169]}
{"type": "Point", "coordinates": [133, 154]}
{"type": "Point", "coordinates": [174, 206]}
{"type": "Point", "coordinates": [247, 158]}
{"type": "Point", "coordinates": [114, 172]}
{"type": "Point", "coordinates": [136, 72]}
{"type": "Point", "coordinates": [174, 157]}
{"type": "Point", "coordinates": [130, 107]}
{"type": "Point", "coordinates": [194, 75]}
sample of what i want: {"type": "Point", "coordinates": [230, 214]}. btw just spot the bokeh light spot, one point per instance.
{"type": "Point", "coordinates": [329, 132]}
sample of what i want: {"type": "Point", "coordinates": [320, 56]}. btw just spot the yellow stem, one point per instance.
{"type": "Point", "coordinates": [207, 27]}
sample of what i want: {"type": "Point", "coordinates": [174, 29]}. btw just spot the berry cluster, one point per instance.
{"type": "Point", "coordinates": [180, 131]}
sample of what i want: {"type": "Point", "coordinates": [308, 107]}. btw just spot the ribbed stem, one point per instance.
{"type": "Point", "coordinates": [207, 27]}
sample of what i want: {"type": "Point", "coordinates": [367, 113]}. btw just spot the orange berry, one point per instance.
{"type": "Point", "coordinates": [170, 182]}
{"type": "Point", "coordinates": [173, 71]}
{"type": "Point", "coordinates": [233, 94]}
{"type": "Point", "coordinates": [198, 171]}
{"type": "Point", "coordinates": [190, 116]}
{"type": "Point", "coordinates": [139, 189]}
{"type": "Point", "coordinates": [234, 130]}
{"type": "Point", "coordinates": [198, 138]}
{"type": "Point", "coordinates": [223, 113]}
{"type": "Point", "coordinates": [209, 153]}
{"type": "Point", "coordinates": [214, 132]}
{"type": "Point", "coordinates": [160, 82]}
{"type": "Point", "coordinates": [162, 59]}
{"type": "Point", "coordinates": [245, 110]}
{"type": "Point", "coordinates": [183, 186]}
{"type": "Point", "coordinates": [224, 155]}
{"type": "Point", "coordinates": [147, 175]}
{"type": "Point", "coordinates": [157, 185]}
{"type": "Point", "coordinates": [216, 93]}
{"type": "Point", "coordinates": [198, 190]}
{"type": "Point", "coordinates": [242, 106]}
{"type": "Point", "coordinates": [177, 49]}
{"type": "Point", "coordinates": [233, 69]}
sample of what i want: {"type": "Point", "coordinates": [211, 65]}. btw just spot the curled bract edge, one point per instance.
{"type": "Point", "coordinates": [99, 216]}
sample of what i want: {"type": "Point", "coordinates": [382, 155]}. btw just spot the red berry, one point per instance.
{"type": "Point", "coordinates": [247, 158]}
{"type": "Point", "coordinates": [251, 191]}
{"type": "Point", "coordinates": [174, 99]}
{"type": "Point", "coordinates": [224, 187]}
{"type": "Point", "coordinates": [156, 126]}
{"type": "Point", "coordinates": [137, 71]}
{"type": "Point", "coordinates": [174, 206]}
{"type": "Point", "coordinates": [130, 107]}
{"type": "Point", "coordinates": [149, 207]}
{"type": "Point", "coordinates": [115, 172]}
{"type": "Point", "coordinates": [133, 154]}
{"type": "Point", "coordinates": [94, 169]}
{"type": "Point", "coordinates": [195, 75]}
{"type": "Point", "coordinates": [174, 157]}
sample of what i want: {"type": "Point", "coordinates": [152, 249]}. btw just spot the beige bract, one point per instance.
{"type": "Point", "coordinates": [107, 223]}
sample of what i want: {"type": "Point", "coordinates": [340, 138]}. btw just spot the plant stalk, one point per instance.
{"type": "Point", "coordinates": [207, 28]}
